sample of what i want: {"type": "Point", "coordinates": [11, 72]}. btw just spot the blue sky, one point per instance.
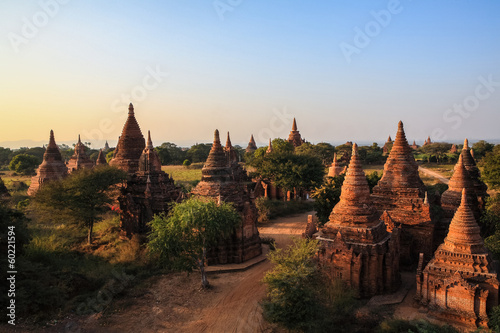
{"type": "Point", "coordinates": [247, 67]}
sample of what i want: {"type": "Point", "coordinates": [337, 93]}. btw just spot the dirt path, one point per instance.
{"type": "Point", "coordinates": [175, 303]}
{"type": "Point", "coordinates": [434, 174]}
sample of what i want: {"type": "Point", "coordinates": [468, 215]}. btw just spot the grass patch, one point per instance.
{"type": "Point", "coordinates": [371, 168]}
{"type": "Point", "coordinates": [186, 177]}
{"type": "Point", "coordinates": [446, 170]}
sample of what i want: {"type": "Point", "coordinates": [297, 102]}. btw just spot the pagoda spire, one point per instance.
{"type": "Point", "coordinates": [52, 140]}
{"type": "Point", "coordinates": [464, 232]}
{"type": "Point", "coordinates": [355, 205]}
{"type": "Point", "coordinates": [131, 109]}
{"type": "Point", "coordinates": [270, 147]}
{"type": "Point", "coordinates": [400, 169]}
{"type": "Point", "coordinates": [150, 142]}
{"type": "Point", "coordinates": [294, 125]}
{"type": "Point", "coordinates": [228, 141]}
{"type": "Point", "coordinates": [216, 167]}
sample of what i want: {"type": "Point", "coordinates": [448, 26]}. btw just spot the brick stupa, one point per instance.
{"type": "Point", "coordinates": [335, 169]}
{"type": "Point", "coordinates": [101, 159]}
{"type": "Point", "coordinates": [470, 165]}
{"type": "Point", "coordinates": [52, 167]}
{"type": "Point", "coordinates": [356, 246]}
{"type": "Point", "coordinates": [251, 145]}
{"type": "Point", "coordinates": [79, 159]}
{"type": "Point", "coordinates": [218, 183]}
{"type": "Point", "coordinates": [148, 191]}
{"type": "Point", "coordinates": [387, 146]}
{"type": "Point", "coordinates": [130, 145]}
{"type": "Point", "coordinates": [452, 197]}
{"type": "Point", "coordinates": [460, 282]}
{"type": "Point", "coordinates": [294, 137]}
{"type": "Point", "coordinates": [400, 194]}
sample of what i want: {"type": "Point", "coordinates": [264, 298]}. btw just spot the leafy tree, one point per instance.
{"type": "Point", "coordinates": [299, 297]}
{"type": "Point", "coordinates": [436, 151]}
{"type": "Point", "coordinates": [282, 146]}
{"type": "Point", "coordinates": [373, 179]}
{"type": "Point", "coordinates": [491, 169]}
{"type": "Point", "coordinates": [24, 164]}
{"type": "Point", "coordinates": [199, 152]}
{"type": "Point", "coordinates": [481, 148]}
{"type": "Point", "coordinates": [82, 197]}
{"type": "Point", "coordinates": [324, 151]}
{"type": "Point", "coordinates": [371, 154]}
{"type": "Point", "coordinates": [169, 153]}
{"type": "Point", "coordinates": [5, 156]}
{"type": "Point", "coordinates": [326, 197]}
{"type": "Point", "coordinates": [181, 238]}
{"type": "Point", "coordinates": [290, 171]}
{"type": "Point", "coordinates": [109, 155]}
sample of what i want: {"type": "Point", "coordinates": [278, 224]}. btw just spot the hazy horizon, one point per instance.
{"type": "Point", "coordinates": [345, 71]}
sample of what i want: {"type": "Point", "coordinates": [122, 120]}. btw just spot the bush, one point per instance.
{"type": "Point", "coordinates": [299, 297]}
{"type": "Point", "coordinates": [24, 164]}
{"type": "Point", "coordinates": [186, 163]}
{"type": "Point", "coordinates": [263, 208]}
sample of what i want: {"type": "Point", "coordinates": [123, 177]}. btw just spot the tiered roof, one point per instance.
{"type": "Point", "coordinates": [52, 167]}
{"type": "Point", "coordinates": [130, 145]}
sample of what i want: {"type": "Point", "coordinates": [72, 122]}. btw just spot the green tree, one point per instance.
{"type": "Point", "coordinates": [300, 297]}
{"type": "Point", "coordinates": [326, 197]}
{"type": "Point", "coordinates": [199, 152]}
{"type": "Point", "coordinates": [324, 151]}
{"type": "Point", "coordinates": [491, 169]}
{"type": "Point", "coordinates": [24, 164]}
{"type": "Point", "coordinates": [82, 197]}
{"type": "Point", "coordinates": [109, 155]}
{"type": "Point", "coordinates": [169, 153]}
{"type": "Point", "coordinates": [5, 156]}
{"type": "Point", "coordinates": [181, 238]}
{"type": "Point", "coordinates": [282, 146]}
{"type": "Point", "coordinates": [373, 179]}
{"type": "Point", "coordinates": [481, 148]}
{"type": "Point", "coordinates": [290, 171]}
{"type": "Point", "coordinates": [436, 151]}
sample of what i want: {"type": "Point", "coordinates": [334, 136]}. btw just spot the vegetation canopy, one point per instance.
{"type": "Point", "coordinates": [181, 238]}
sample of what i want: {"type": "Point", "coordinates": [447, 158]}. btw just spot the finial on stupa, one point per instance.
{"type": "Point", "coordinates": [294, 126]}
{"type": "Point", "coordinates": [466, 144]}
{"type": "Point", "coordinates": [131, 109]}
{"type": "Point", "coordinates": [79, 141]}
{"type": "Point", "coordinates": [270, 147]}
{"type": "Point", "coordinates": [216, 137]}
{"type": "Point", "coordinates": [355, 149]}
{"type": "Point", "coordinates": [400, 125]}
{"type": "Point", "coordinates": [149, 145]}
{"type": "Point", "coordinates": [228, 141]}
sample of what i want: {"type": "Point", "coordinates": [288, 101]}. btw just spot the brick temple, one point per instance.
{"type": "Point", "coordinates": [460, 283]}
{"type": "Point", "coordinates": [79, 159]}
{"type": "Point", "coordinates": [130, 145]}
{"type": "Point", "coordinates": [251, 145]}
{"type": "Point", "coordinates": [52, 167]}
{"type": "Point", "coordinates": [452, 197]}
{"type": "Point", "coordinates": [148, 190]}
{"type": "Point", "coordinates": [220, 181]}
{"type": "Point", "coordinates": [470, 165]}
{"type": "Point", "coordinates": [356, 246]}
{"type": "Point", "coordinates": [400, 196]}
{"type": "Point", "coordinates": [294, 137]}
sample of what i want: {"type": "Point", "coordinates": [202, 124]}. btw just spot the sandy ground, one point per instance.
{"type": "Point", "coordinates": [175, 302]}
{"type": "Point", "coordinates": [434, 174]}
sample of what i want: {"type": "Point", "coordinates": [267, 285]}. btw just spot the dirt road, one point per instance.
{"type": "Point", "coordinates": [175, 302]}
{"type": "Point", "coordinates": [434, 174]}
